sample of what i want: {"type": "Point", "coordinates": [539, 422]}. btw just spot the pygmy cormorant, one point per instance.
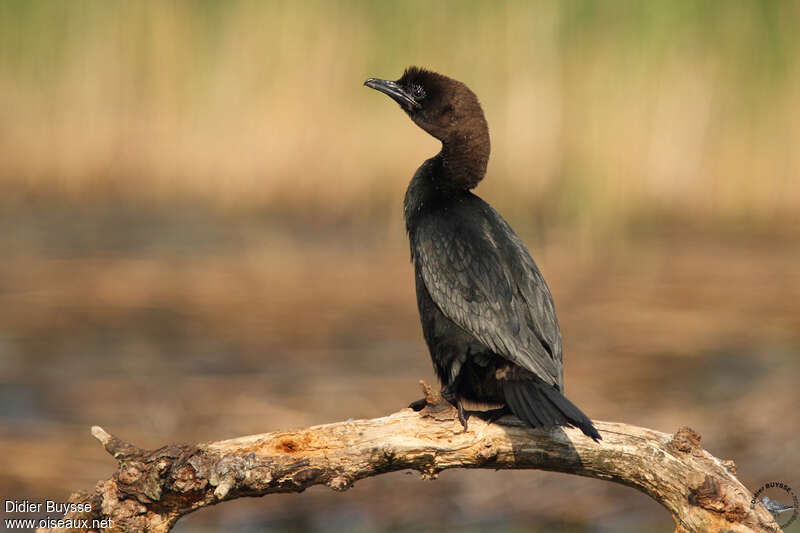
{"type": "Point", "coordinates": [487, 314]}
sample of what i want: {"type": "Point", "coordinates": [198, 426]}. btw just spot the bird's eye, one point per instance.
{"type": "Point", "coordinates": [417, 92]}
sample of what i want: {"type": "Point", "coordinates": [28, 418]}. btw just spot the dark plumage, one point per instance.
{"type": "Point", "coordinates": [487, 314]}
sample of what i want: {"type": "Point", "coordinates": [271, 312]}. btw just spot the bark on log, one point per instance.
{"type": "Point", "coordinates": [151, 490]}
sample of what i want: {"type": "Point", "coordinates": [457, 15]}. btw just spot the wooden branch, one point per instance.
{"type": "Point", "coordinates": [151, 490]}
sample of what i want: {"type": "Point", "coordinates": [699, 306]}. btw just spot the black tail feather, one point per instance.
{"type": "Point", "coordinates": [539, 404]}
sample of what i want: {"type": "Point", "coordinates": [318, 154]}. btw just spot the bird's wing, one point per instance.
{"type": "Point", "coordinates": [482, 278]}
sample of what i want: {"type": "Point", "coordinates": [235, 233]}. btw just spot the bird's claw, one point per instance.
{"type": "Point", "coordinates": [463, 415]}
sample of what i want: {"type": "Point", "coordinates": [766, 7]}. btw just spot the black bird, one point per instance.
{"type": "Point", "coordinates": [487, 314]}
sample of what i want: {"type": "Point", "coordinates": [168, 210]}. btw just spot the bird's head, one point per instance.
{"type": "Point", "coordinates": [442, 106]}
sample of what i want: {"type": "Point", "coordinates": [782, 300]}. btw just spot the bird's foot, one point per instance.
{"type": "Point", "coordinates": [491, 416]}
{"type": "Point", "coordinates": [419, 405]}
{"type": "Point", "coordinates": [449, 395]}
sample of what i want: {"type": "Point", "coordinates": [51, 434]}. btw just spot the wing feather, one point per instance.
{"type": "Point", "coordinates": [482, 278]}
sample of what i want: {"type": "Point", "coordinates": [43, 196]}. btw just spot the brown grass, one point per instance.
{"type": "Point", "coordinates": [597, 116]}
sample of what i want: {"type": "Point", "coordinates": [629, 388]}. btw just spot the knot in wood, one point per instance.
{"type": "Point", "coordinates": [712, 496]}
{"type": "Point", "coordinates": [686, 440]}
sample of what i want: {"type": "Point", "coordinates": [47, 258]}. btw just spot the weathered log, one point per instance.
{"type": "Point", "coordinates": [151, 490]}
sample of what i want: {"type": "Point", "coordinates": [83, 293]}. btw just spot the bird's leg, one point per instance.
{"type": "Point", "coordinates": [451, 396]}
{"type": "Point", "coordinates": [419, 405]}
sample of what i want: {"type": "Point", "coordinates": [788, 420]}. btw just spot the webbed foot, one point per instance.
{"type": "Point", "coordinates": [419, 405]}
{"type": "Point", "coordinates": [491, 416]}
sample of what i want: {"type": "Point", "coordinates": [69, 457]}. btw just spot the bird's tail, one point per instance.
{"type": "Point", "coordinates": [539, 404]}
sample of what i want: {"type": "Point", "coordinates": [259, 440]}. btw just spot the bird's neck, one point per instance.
{"type": "Point", "coordinates": [465, 154]}
{"type": "Point", "coordinates": [458, 167]}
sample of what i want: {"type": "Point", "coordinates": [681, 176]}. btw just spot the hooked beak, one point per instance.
{"type": "Point", "coordinates": [397, 93]}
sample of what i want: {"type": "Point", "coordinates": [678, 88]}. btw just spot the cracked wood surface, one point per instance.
{"type": "Point", "coordinates": [151, 490]}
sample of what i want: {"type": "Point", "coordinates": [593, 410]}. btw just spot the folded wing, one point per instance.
{"type": "Point", "coordinates": [482, 278]}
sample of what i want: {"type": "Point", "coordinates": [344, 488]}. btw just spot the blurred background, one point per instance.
{"type": "Point", "coordinates": [202, 236]}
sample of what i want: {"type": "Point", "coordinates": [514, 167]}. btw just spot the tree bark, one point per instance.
{"type": "Point", "coordinates": [151, 490]}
